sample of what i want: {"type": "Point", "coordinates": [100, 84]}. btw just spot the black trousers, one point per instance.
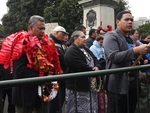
{"type": "Point", "coordinates": [8, 92]}
{"type": "Point", "coordinates": [55, 105]}
{"type": "Point", "coordinates": [118, 103]}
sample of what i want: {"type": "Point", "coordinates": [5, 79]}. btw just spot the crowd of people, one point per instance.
{"type": "Point", "coordinates": [33, 53]}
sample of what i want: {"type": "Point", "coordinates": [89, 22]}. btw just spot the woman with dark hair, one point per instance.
{"type": "Point", "coordinates": [145, 38]}
{"type": "Point", "coordinates": [80, 97]}
{"type": "Point", "coordinates": [135, 36]}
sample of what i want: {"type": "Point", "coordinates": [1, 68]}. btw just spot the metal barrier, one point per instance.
{"type": "Point", "coordinates": [42, 80]}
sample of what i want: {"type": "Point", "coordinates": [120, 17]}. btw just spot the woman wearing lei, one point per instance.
{"type": "Point", "coordinates": [31, 54]}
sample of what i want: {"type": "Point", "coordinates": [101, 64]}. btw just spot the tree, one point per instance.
{"type": "Point", "coordinates": [68, 14]}
{"type": "Point", "coordinates": [19, 13]}
{"type": "Point", "coordinates": [121, 6]}
{"type": "Point", "coordinates": [51, 12]}
{"type": "Point", "coordinates": [144, 29]}
{"type": "Point", "coordinates": [2, 29]}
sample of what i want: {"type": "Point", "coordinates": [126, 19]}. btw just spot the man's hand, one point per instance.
{"type": "Point", "coordinates": [142, 49]}
{"type": "Point", "coordinates": [95, 68]}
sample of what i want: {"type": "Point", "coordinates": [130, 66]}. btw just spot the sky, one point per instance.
{"type": "Point", "coordinates": [139, 8]}
{"type": "Point", "coordinates": [3, 8]}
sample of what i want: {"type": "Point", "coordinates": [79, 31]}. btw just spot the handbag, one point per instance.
{"type": "Point", "coordinates": [102, 101]}
{"type": "Point", "coordinates": [102, 94]}
{"type": "Point", "coordinates": [96, 85]}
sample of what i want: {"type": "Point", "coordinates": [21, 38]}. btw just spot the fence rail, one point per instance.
{"type": "Point", "coordinates": [41, 80]}
{"type": "Point", "coordinates": [44, 79]}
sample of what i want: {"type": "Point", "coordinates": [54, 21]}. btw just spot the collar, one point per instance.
{"type": "Point", "coordinates": [55, 39]}
{"type": "Point", "coordinates": [92, 38]}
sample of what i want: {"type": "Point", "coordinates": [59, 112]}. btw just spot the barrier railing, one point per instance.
{"type": "Point", "coordinates": [42, 80]}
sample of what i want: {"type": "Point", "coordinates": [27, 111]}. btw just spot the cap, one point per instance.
{"type": "Point", "coordinates": [60, 28]}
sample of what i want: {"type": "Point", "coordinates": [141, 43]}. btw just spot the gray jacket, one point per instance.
{"type": "Point", "coordinates": [117, 56]}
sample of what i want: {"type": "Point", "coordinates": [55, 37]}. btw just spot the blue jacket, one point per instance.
{"type": "Point", "coordinates": [97, 50]}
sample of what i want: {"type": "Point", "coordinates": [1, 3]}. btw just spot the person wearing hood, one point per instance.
{"type": "Point", "coordinates": [98, 50]}
{"type": "Point", "coordinates": [97, 47]}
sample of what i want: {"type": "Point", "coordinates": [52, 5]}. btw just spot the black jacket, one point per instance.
{"type": "Point", "coordinates": [5, 73]}
{"type": "Point", "coordinates": [89, 42]}
{"type": "Point", "coordinates": [76, 62]}
{"type": "Point", "coordinates": [25, 95]}
{"type": "Point", "coordinates": [61, 51]}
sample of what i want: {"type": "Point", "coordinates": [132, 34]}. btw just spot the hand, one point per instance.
{"type": "Point", "coordinates": [145, 61]}
{"type": "Point", "coordinates": [95, 68]}
{"type": "Point", "coordinates": [142, 49]}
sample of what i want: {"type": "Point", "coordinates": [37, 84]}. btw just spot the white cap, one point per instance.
{"type": "Point", "coordinates": [60, 28]}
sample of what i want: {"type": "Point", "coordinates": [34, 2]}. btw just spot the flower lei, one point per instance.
{"type": "Point", "coordinates": [42, 56]}
{"type": "Point", "coordinates": [96, 83]}
{"type": "Point", "coordinates": [50, 91]}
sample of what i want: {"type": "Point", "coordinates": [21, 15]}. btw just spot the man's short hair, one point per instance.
{"type": "Point", "coordinates": [80, 27]}
{"type": "Point", "coordinates": [120, 14]}
{"type": "Point", "coordinates": [33, 19]}
{"type": "Point", "coordinates": [91, 31]}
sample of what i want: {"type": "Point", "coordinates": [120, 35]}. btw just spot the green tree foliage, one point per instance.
{"type": "Point", "coordinates": [51, 12]}
{"type": "Point", "coordinates": [120, 6]}
{"type": "Point", "coordinates": [73, 14]}
{"type": "Point", "coordinates": [143, 29]}
{"type": "Point", "coordinates": [19, 13]}
{"type": "Point", "coordinates": [68, 14]}
{"type": "Point", "coordinates": [2, 29]}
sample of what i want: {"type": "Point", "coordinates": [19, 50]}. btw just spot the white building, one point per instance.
{"type": "Point", "coordinates": [140, 21]}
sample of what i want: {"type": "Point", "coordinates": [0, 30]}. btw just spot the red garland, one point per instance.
{"type": "Point", "coordinates": [42, 56]}
{"type": "Point", "coordinates": [109, 28]}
